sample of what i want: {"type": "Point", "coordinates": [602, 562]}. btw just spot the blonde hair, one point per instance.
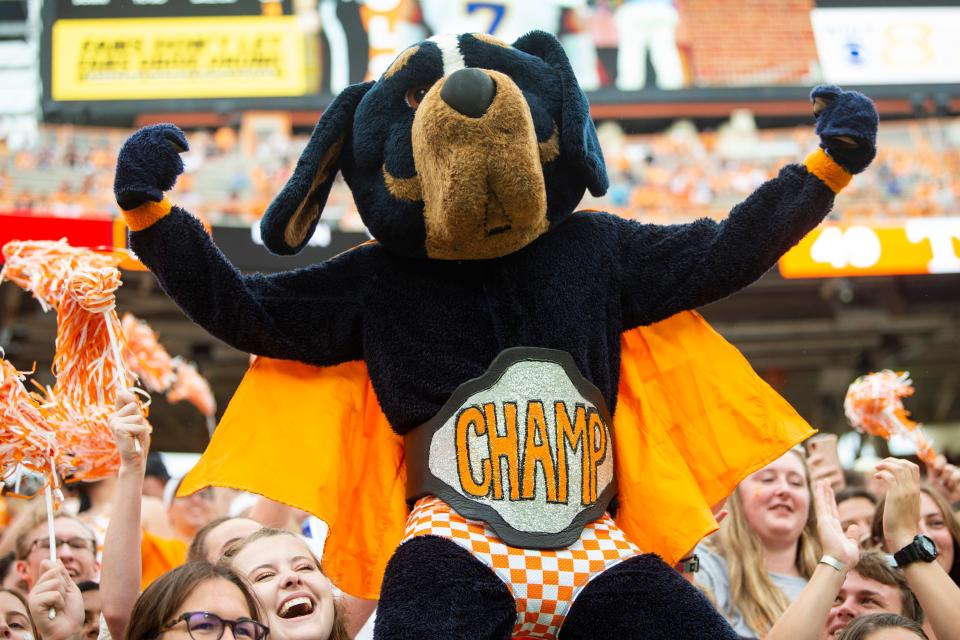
{"type": "Point", "coordinates": [752, 592]}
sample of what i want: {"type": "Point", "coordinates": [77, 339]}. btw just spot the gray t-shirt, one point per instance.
{"type": "Point", "coordinates": [713, 575]}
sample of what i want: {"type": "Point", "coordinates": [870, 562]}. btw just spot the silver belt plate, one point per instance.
{"type": "Point", "coordinates": [526, 448]}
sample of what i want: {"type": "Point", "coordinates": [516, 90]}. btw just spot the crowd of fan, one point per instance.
{"type": "Point", "coordinates": [675, 176]}
{"type": "Point", "coordinates": [791, 559]}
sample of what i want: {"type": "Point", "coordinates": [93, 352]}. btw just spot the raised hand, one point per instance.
{"type": "Point", "coordinates": [946, 478]}
{"type": "Point", "coordinates": [148, 164]}
{"type": "Point", "coordinates": [901, 511]}
{"type": "Point", "coordinates": [842, 545]}
{"type": "Point", "coordinates": [847, 125]}
{"type": "Point", "coordinates": [128, 425]}
{"type": "Point", "coordinates": [56, 590]}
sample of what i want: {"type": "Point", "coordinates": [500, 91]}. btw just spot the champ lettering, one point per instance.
{"type": "Point", "coordinates": [536, 463]}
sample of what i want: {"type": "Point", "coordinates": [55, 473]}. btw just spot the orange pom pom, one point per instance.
{"type": "Point", "coordinates": [145, 356]}
{"type": "Point", "coordinates": [191, 386]}
{"type": "Point", "coordinates": [79, 284]}
{"type": "Point", "coordinates": [874, 405]}
{"type": "Point", "coordinates": [27, 439]}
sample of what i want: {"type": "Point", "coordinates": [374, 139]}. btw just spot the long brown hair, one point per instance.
{"type": "Point", "coordinates": [953, 526]}
{"type": "Point", "coordinates": [26, 607]}
{"type": "Point", "coordinates": [752, 591]}
{"type": "Point", "coordinates": [339, 629]}
{"type": "Point", "coordinates": [157, 604]}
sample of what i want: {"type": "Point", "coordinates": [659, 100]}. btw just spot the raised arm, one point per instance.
{"type": "Point", "coordinates": [937, 593]}
{"type": "Point", "coordinates": [806, 616]}
{"type": "Point", "coordinates": [667, 269]}
{"type": "Point", "coordinates": [121, 571]}
{"type": "Point", "coordinates": [312, 315]}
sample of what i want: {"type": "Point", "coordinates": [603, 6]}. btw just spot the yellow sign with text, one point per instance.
{"type": "Point", "coordinates": [914, 246]}
{"type": "Point", "coordinates": [169, 58]}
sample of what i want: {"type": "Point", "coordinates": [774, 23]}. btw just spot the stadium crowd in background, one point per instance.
{"type": "Point", "coordinates": [676, 176]}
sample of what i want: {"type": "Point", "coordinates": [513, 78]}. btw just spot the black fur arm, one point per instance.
{"type": "Point", "coordinates": [312, 315]}
{"type": "Point", "coordinates": [667, 269]}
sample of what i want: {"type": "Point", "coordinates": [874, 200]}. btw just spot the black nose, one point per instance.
{"type": "Point", "coordinates": [469, 91]}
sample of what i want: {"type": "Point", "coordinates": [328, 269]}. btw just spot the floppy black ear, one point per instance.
{"type": "Point", "coordinates": [578, 137]}
{"type": "Point", "coordinates": [293, 215]}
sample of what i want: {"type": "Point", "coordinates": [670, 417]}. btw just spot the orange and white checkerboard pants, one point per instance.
{"type": "Point", "coordinates": [544, 582]}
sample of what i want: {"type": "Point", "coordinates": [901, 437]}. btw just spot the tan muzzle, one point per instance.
{"type": "Point", "coordinates": [481, 178]}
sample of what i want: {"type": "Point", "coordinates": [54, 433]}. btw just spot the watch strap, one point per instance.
{"type": "Point", "coordinates": [690, 564]}
{"type": "Point", "coordinates": [907, 555]}
{"type": "Point", "coordinates": [913, 552]}
{"type": "Point", "coordinates": [833, 562]}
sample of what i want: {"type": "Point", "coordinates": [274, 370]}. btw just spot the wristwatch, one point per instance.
{"type": "Point", "coordinates": [690, 564]}
{"type": "Point", "coordinates": [922, 549]}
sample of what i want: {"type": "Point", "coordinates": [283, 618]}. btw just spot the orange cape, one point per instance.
{"type": "Point", "coordinates": [692, 420]}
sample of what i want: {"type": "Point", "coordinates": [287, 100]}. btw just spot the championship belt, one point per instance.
{"type": "Point", "coordinates": [526, 448]}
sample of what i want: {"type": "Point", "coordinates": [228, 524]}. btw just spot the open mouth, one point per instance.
{"type": "Point", "coordinates": [296, 608]}
{"type": "Point", "coordinates": [498, 230]}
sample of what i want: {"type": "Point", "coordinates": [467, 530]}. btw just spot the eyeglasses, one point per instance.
{"type": "Point", "coordinates": [77, 544]}
{"type": "Point", "coordinates": [202, 625]}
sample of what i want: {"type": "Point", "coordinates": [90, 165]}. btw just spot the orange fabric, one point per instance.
{"type": "Point", "coordinates": [692, 420]}
{"type": "Point", "coordinates": [159, 555]}
{"type": "Point", "coordinates": [823, 166]}
{"type": "Point", "coordinates": [146, 214]}
{"type": "Point", "coordinates": [316, 439]}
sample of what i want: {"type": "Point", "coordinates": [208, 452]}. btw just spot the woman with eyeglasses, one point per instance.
{"type": "Point", "coordinates": [197, 601]}
{"type": "Point", "coordinates": [286, 577]}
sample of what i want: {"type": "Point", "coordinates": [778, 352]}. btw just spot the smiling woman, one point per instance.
{"type": "Point", "coordinates": [286, 577]}
{"type": "Point", "coordinates": [766, 549]}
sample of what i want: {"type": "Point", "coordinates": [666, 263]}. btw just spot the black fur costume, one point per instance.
{"type": "Point", "coordinates": [425, 321]}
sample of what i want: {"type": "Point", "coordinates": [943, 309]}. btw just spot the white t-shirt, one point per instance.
{"type": "Point", "coordinates": [714, 576]}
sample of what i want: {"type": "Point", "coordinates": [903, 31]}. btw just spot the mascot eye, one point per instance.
{"type": "Point", "coordinates": [415, 96]}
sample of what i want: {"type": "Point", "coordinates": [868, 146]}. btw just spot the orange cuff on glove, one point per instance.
{"type": "Point", "coordinates": [824, 167]}
{"type": "Point", "coordinates": [146, 214]}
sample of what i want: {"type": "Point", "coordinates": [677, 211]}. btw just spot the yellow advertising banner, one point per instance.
{"type": "Point", "coordinates": [163, 58]}
{"type": "Point", "coordinates": [913, 246]}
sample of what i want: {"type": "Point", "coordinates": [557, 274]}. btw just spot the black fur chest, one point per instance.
{"type": "Point", "coordinates": [430, 325]}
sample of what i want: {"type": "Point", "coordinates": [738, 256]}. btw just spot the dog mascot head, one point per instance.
{"type": "Point", "coordinates": [466, 148]}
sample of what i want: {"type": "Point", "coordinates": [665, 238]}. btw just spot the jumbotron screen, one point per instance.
{"type": "Point", "coordinates": [101, 50]}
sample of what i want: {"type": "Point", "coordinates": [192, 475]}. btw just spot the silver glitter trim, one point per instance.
{"type": "Point", "coordinates": [521, 383]}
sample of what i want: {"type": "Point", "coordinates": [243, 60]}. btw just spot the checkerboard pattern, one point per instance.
{"type": "Point", "coordinates": [544, 583]}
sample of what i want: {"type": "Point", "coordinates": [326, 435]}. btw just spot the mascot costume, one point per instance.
{"type": "Point", "coordinates": [505, 410]}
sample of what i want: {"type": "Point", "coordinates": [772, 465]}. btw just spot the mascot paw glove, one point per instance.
{"type": "Point", "coordinates": [847, 126]}
{"type": "Point", "coordinates": [148, 164]}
